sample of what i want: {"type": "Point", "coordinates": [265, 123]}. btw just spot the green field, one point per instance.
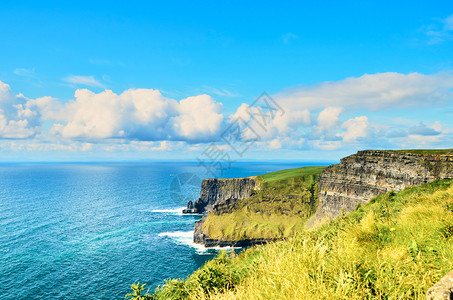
{"type": "Point", "coordinates": [394, 247]}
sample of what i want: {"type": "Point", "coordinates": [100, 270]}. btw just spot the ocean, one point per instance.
{"type": "Point", "coordinates": [89, 230]}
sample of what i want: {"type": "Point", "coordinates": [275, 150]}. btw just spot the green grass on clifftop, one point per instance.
{"type": "Point", "coordinates": [394, 247]}
{"type": "Point", "coordinates": [307, 174]}
{"type": "Point", "coordinates": [426, 151]}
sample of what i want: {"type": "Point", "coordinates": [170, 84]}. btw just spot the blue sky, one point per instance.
{"type": "Point", "coordinates": [134, 80]}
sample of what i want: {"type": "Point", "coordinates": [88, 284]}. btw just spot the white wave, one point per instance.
{"type": "Point", "coordinates": [181, 214]}
{"type": "Point", "coordinates": [167, 211]}
{"type": "Point", "coordinates": [173, 211]}
{"type": "Point", "coordinates": [178, 234]}
{"type": "Point", "coordinates": [186, 238]}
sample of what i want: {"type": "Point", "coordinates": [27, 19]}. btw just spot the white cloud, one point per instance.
{"type": "Point", "coordinates": [374, 92]}
{"type": "Point", "coordinates": [139, 146]}
{"type": "Point", "coordinates": [135, 114]}
{"type": "Point", "coordinates": [356, 128]}
{"type": "Point", "coordinates": [18, 117]}
{"type": "Point", "coordinates": [448, 23]}
{"type": "Point", "coordinates": [83, 80]}
{"type": "Point", "coordinates": [324, 116]}
{"type": "Point", "coordinates": [275, 144]}
{"type": "Point", "coordinates": [199, 118]}
{"type": "Point", "coordinates": [435, 135]}
{"type": "Point", "coordinates": [268, 128]}
{"type": "Point", "coordinates": [242, 112]}
{"type": "Point", "coordinates": [283, 123]}
{"type": "Point", "coordinates": [151, 146]}
{"type": "Point", "coordinates": [219, 92]}
{"type": "Point", "coordinates": [49, 108]}
{"type": "Point", "coordinates": [86, 147]}
{"type": "Point", "coordinates": [440, 127]}
{"type": "Point", "coordinates": [422, 129]}
{"type": "Point", "coordinates": [419, 141]}
{"type": "Point", "coordinates": [33, 146]}
{"type": "Point", "coordinates": [326, 145]}
{"type": "Point", "coordinates": [24, 72]}
{"type": "Point", "coordinates": [440, 32]}
{"type": "Point", "coordinates": [328, 118]}
{"type": "Point", "coordinates": [142, 114]}
{"type": "Point", "coordinates": [91, 115]}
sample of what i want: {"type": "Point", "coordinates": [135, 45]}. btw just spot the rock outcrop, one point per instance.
{"type": "Point", "coordinates": [443, 290]}
{"type": "Point", "coordinates": [364, 175]}
{"type": "Point", "coordinates": [214, 191]}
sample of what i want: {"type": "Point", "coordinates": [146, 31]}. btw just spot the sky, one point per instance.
{"type": "Point", "coordinates": [169, 80]}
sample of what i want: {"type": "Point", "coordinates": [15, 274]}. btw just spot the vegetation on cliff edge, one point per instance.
{"type": "Point", "coordinates": [394, 247]}
{"type": "Point", "coordinates": [426, 151]}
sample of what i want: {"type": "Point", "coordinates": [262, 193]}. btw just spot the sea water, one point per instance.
{"type": "Point", "coordinates": [88, 231]}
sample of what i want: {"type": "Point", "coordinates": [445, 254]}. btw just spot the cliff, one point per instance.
{"type": "Point", "coordinates": [275, 209]}
{"type": "Point", "coordinates": [364, 175]}
{"type": "Point", "coordinates": [215, 191]}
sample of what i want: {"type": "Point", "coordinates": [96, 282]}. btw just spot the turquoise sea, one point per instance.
{"type": "Point", "coordinates": [88, 231]}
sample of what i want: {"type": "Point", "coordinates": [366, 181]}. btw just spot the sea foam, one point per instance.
{"type": "Point", "coordinates": [186, 238]}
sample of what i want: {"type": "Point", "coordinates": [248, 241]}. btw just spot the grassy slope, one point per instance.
{"type": "Point", "coordinates": [394, 247]}
{"type": "Point", "coordinates": [277, 211]}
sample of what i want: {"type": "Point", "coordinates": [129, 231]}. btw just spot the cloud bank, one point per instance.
{"type": "Point", "coordinates": [315, 113]}
{"type": "Point", "coordinates": [138, 114]}
{"type": "Point", "coordinates": [329, 115]}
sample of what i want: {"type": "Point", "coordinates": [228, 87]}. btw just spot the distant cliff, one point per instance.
{"type": "Point", "coordinates": [214, 191]}
{"type": "Point", "coordinates": [364, 175]}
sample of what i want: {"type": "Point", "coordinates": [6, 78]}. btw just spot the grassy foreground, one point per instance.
{"type": "Point", "coordinates": [394, 247]}
{"type": "Point", "coordinates": [286, 199]}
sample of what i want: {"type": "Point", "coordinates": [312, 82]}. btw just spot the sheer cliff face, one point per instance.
{"type": "Point", "coordinates": [214, 191]}
{"type": "Point", "coordinates": [364, 175]}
